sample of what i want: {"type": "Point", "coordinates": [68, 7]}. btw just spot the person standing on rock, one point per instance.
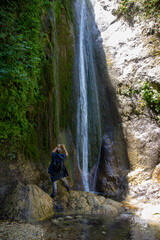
{"type": "Point", "coordinates": [57, 168]}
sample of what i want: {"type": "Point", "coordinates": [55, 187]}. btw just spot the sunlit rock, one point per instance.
{"type": "Point", "coordinates": [138, 176]}
{"type": "Point", "coordinates": [79, 202]}
{"type": "Point", "coordinates": [156, 174]}
{"type": "Point", "coordinates": [151, 213]}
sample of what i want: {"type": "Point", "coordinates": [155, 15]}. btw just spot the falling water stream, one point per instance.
{"type": "Point", "coordinates": [82, 104]}
{"type": "Point", "coordinates": [88, 116]}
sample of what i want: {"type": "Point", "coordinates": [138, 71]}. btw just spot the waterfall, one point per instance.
{"type": "Point", "coordinates": [82, 117]}
{"type": "Point", "coordinates": [88, 116]}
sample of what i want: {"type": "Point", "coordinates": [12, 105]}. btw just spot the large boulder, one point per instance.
{"type": "Point", "coordinates": [28, 203]}
{"type": "Point", "coordinates": [79, 202]}
{"type": "Point", "coordinates": [112, 173]}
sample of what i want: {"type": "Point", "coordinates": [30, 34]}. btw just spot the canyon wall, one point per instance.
{"type": "Point", "coordinates": [44, 121]}
{"type": "Point", "coordinates": [131, 52]}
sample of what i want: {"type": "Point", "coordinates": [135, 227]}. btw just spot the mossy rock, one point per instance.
{"type": "Point", "coordinates": [28, 203]}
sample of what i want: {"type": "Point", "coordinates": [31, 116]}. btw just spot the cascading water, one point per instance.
{"type": "Point", "coordinates": [88, 117]}
{"type": "Point", "coordinates": [82, 103]}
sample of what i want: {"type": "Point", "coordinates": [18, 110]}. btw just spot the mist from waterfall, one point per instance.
{"type": "Point", "coordinates": [88, 116]}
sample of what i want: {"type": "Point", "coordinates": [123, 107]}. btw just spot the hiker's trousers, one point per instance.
{"type": "Point", "coordinates": [65, 183]}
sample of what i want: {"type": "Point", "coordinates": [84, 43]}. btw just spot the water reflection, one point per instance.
{"type": "Point", "coordinates": [98, 228]}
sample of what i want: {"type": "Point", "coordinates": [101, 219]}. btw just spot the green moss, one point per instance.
{"type": "Point", "coordinates": [48, 74]}
{"type": "Point", "coordinates": [65, 62]}
{"type": "Point", "coordinates": [55, 82]}
{"type": "Point", "coordinates": [30, 149]}
{"type": "Point", "coordinates": [63, 6]}
{"type": "Point", "coordinates": [65, 73]}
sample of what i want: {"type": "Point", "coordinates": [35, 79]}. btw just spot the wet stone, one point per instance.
{"type": "Point", "coordinates": [55, 221]}
{"type": "Point", "coordinates": [66, 223]}
{"type": "Point", "coordinates": [65, 229]}
{"type": "Point", "coordinates": [68, 217]}
{"type": "Point", "coordinates": [79, 216]}
{"type": "Point", "coordinates": [61, 219]}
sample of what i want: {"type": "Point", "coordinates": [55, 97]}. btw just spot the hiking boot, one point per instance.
{"type": "Point", "coordinates": [68, 188]}
{"type": "Point", "coordinates": [53, 195]}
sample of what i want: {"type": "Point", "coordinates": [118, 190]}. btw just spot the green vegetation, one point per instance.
{"type": "Point", "coordinates": [29, 78]}
{"type": "Point", "coordinates": [149, 8]}
{"type": "Point", "coordinates": [129, 92]}
{"type": "Point", "coordinates": [65, 68]}
{"type": "Point", "coordinates": [61, 6]}
{"type": "Point", "coordinates": [20, 59]}
{"type": "Point", "coordinates": [151, 94]}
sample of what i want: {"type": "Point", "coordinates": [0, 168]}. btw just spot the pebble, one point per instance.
{"type": "Point", "coordinates": [54, 221]}
{"type": "Point", "coordinates": [68, 217]}
{"type": "Point", "coordinates": [104, 233]}
{"type": "Point", "coordinates": [79, 216]}
{"type": "Point", "coordinates": [65, 229]}
{"type": "Point", "coordinates": [66, 223]}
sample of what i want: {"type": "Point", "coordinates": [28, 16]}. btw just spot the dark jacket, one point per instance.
{"type": "Point", "coordinates": [56, 175]}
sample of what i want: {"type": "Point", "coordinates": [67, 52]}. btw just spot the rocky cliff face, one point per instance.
{"type": "Point", "coordinates": [132, 58]}
{"type": "Point", "coordinates": [50, 113]}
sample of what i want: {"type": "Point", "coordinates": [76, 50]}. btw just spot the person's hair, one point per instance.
{"type": "Point", "coordinates": [58, 151]}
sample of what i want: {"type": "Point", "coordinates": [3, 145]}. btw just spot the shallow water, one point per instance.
{"type": "Point", "coordinates": [80, 227]}
{"type": "Point", "coordinates": [98, 228]}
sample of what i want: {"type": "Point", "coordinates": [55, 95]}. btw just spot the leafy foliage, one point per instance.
{"type": "Point", "coordinates": [129, 92]}
{"type": "Point", "coordinates": [63, 5]}
{"type": "Point", "coordinates": [150, 8]}
{"type": "Point", "coordinates": [150, 93]}
{"type": "Point", "coordinates": [152, 96]}
{"type": "Point", "coordinates": [27, 74]}
{"type": "Point", "coordinates": [21, 56]}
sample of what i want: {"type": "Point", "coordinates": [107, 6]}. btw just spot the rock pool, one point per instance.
{"type": "Point", "coordinates": [81, 227]}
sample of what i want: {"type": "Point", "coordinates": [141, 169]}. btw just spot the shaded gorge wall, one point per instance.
{"type": "Point", "coordinates": [57, 72]}
{"type": "Point", "coordinates": [26, 150]}
{"type": "Point", "coordinates": [113, 163]}
{"type": "Point", "coordinates": [55, 114]}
